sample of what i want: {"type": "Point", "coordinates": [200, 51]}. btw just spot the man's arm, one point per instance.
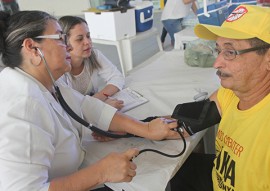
{"type": "Point", "coordinates": [213, 97]}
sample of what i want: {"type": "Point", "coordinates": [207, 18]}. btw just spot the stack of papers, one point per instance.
{"type": "Point", "coordinates": [131, 99]}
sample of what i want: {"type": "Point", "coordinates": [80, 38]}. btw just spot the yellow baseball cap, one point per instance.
{"type": "Point", "coordinates": [245, 22]}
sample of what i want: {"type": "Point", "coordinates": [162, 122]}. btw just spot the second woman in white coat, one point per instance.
{"type": "Point", "coordinates": [89, 65]}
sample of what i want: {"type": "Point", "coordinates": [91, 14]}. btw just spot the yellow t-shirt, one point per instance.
{"type": "Point", "coordinates": [242, 146]}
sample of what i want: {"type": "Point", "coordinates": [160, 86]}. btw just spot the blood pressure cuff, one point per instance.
{"type": "Point", "coordinates": [196, 116]}
{"type": "Point", "coordinates": [148, 119]}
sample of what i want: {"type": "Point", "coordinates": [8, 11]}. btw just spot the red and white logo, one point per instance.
{"type": "Point", "coordinates": [237, 14]}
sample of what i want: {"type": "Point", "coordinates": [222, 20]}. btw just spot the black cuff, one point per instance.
{"type": "Point", "coordinates": [148, 119]}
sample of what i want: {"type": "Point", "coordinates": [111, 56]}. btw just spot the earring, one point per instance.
{"type": "Point", "coordinates": [35, 61]}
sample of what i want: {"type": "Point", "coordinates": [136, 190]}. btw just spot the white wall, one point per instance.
{"type": "Point", "coordinates": [56, 7]}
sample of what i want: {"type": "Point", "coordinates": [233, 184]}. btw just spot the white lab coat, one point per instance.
{"type": "Point", "coordinates": [38, 140]}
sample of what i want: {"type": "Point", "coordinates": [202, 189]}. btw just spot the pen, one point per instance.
{"type": "Point", "coordinates": [106, 95]}
{"type": "Point", "coordinates": [137, 93]}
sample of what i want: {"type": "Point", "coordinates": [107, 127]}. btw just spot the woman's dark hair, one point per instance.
{"type": "Point", "coordinates": [17, 27]}
{"type": "Point", "coordinates": [67, 23]}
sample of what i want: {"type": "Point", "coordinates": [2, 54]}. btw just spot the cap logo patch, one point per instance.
{"type": "Point", "coordinates": [237, 14]}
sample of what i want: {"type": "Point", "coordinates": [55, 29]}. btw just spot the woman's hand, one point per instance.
{"type": "Point", "coordinates": [118, 104]}
{"type": "Point", "coordinates": [118, 167]}
{"type": "Point", "coordinates": [161, 128]}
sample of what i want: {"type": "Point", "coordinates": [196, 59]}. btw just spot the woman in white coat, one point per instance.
{"type": "Point", "coordinates": [40, 144]}
{"type": "Point", "coordinates": [89, 65]}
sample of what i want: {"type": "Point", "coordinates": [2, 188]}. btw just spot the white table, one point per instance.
{"type": "Point", "coordinates": [124, 47]}
{"type": "Point", "coordinates": [184, 36]}
{"type": "Point", "coordinates": [166, 81]}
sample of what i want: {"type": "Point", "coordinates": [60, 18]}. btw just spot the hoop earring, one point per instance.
{"type": "Point", "coordinates": [35, 63]}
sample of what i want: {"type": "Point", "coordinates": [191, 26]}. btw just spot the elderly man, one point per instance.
{"type": "Point", "coordinates": [242, 159]}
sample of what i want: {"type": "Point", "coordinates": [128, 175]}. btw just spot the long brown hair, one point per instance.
{"type": "Point", "coordinates": [67, 23]}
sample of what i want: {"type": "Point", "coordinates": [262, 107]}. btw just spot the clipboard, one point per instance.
{"type": "Point", "coordinates": [130, 97]}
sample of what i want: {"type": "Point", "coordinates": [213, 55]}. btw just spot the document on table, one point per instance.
{"type": "Point", "coordinates": [130, 97]}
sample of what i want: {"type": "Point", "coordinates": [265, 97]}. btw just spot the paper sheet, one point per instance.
{"type": "Point", "coordinates": [131, 99]}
